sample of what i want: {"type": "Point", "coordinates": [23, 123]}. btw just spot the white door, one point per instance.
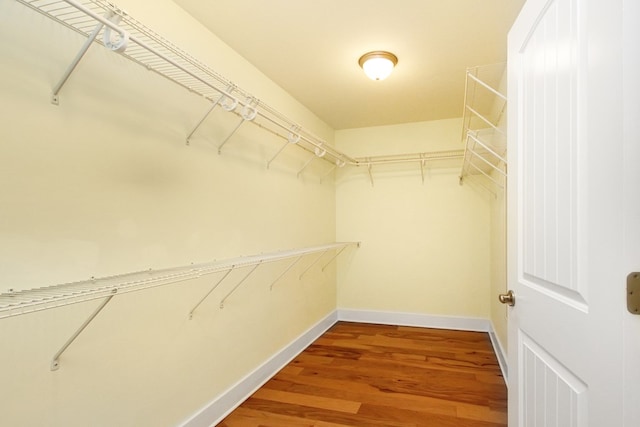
{"type": "Point", "coordinates": [566, 217]}
{"type": "Point", "coordinates": [631, 117]}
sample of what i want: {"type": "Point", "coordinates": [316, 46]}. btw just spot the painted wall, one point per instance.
{"type": "Point", "coordinates": [498, 267]}
{"type": "Point", "coordinates": [499, 236]}
{"type": "Point", "coordinates": [104, 184]}
{"type": "Point", "coordinates": [425, 246]}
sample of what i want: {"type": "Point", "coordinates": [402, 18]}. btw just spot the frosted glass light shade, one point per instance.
{"type": "Point", "coordinates": [378, 65]}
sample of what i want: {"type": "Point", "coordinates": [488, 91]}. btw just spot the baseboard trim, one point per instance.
{"type": "Point", "coordinates": [415, 319]}
{"type": "Point", "coordinates": [225, 403]}
{"type": "Point", "coordinates": [501, 355]}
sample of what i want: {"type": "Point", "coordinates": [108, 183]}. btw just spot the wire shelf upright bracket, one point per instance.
{"type": "Point", "coordinates": [211, 290]}
{"type": "Point", "coordinates": [315, 261]}
{"type": "Point", "coordinates": [55, 362]}
{"type": "Point", "coordinates": [204, 117]}
{"type": "Point", "coordinates": [333, 258]}
{"type": "Point", "coordinates": [55, 98]}
{"type": "Point", "coordinates": [255, 267]}
{"type": "Point", "coordinates": [286, 270]}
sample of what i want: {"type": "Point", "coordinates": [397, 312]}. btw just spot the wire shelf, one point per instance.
{"type": "Point", "coordinates": [485, 141]}
{"type": "Point", "coordinates": [32, 300]}
{"type": "Point", "coordinates": [103, 22]}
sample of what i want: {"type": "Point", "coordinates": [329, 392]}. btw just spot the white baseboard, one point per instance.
{"type": "Point", "coordinates": [501, 355]}
{"type": "Point", "coordinates": [415, 319]}
{"type": "Point", "coordinates": [226, 402]}
{"type": "Point", "coordinates": [229, 400]}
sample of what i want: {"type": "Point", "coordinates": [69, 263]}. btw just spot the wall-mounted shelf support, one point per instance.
{"type": "Point", "coordinates": [486, 86]}
{"type": "Point", "coordinates": [248, 113]}
{"type": "Point", "coordinates": [370, 173]}
{"type": "Point", "coordinates": [328, 172]}
{"type": "Point", "coordinates": [293, 137]}
{"type": "Point", "coordinates": [204, 117]}
{"type": "Point", "coordinates": [210, 291]}
{"type": "Point", "coordinates": [235, 129]}
{"type": "Point", "coordinates": [484, 119]}
{"type": "Point", "coordinates": [255, 267]}
{"type": "Point", "coordinates": [315, 261]}
{"type": "Point", "coordinates": [87, 43]}
{"type": "Point", "coordinates": [305, 166]}
{"type": "Point", "coordinates": [333, 258]}
{"type": "Point", "coordinates": [289, 267]}
{"type": "Point", "coordinates": [55, 362]}
{"type": "Point", "coordinates": [277, 154]}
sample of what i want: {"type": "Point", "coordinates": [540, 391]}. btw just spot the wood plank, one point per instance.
{"type": "Point", "coordinates": [304, 399]}
{"type": "Point", "coordinates": [374, 375]}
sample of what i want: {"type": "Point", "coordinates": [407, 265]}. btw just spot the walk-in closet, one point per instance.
{"type": "Point", "coordinates": [184, 209]}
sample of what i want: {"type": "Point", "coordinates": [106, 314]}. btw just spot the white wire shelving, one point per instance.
{"type": "Point", "coordinates": [15, 303]}
{"type": "Point", "coordinates": [420, 159]}
{"type": "Point", "coordinates": [103, 22]}
{"type": "Point", "coordinates": [483, 132]}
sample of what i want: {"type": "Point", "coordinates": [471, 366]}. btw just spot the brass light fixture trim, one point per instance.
{"type": "Point", "coordinates": [378, 56]}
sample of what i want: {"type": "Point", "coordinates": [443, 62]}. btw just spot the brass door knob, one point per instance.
{"type": "Point", "coordinates": [509, 298]}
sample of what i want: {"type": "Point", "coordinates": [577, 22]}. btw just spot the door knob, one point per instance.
{"type": "Point", "coordinates": [509, 298]}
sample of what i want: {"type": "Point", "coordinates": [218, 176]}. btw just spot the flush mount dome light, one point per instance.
{"type": "Point", "coordinates": [378, 65]}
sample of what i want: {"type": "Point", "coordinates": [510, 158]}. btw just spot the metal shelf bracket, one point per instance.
{"type": "Point", "coordinates": [312, 264]}
{"type": "Point", "coordinates": [248, 113]}
{"type": "Point", "coordinates": [204, 117]}
{"type": "Point", "coordinates": [293, 137]}
{"type": "Point", "coordinates": [295, 261]}
{"type": "Point", "coordinates": [55, 363]}
{"type": "Point", "coordinates": [55, 99]}
{"type": "Point", "coordinates": [255, 267]}
{"type": "Point", "coordinates": [211, 290]}
{"type": "Point", "coordinates": [334, 257]}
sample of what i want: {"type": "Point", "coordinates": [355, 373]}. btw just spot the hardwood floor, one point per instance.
{"type": "Point", "coordinates": [376, 375]}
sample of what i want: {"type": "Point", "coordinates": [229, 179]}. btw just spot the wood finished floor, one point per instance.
{"type": "Point", "coordinates": [377, 375]}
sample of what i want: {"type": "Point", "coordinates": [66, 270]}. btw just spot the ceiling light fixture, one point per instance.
{"type": "Point", "coordinates": [378, 65]}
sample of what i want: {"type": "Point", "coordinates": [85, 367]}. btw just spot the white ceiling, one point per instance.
{"type": "Point", "coordinates": [311, 48]}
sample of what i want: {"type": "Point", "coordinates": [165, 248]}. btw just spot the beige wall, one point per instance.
{"type": "Point", "coordinates": [425, 247]}
{"type": "Point", "coordinates": [104, 184]}
{"type": "Point", "coordinates": [498, 266]}
{"type": "Point", "coordinates": [499, 241]}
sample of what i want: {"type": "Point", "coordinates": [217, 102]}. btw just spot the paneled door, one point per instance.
{"type": "Point", "coordinates": [566, 214]}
